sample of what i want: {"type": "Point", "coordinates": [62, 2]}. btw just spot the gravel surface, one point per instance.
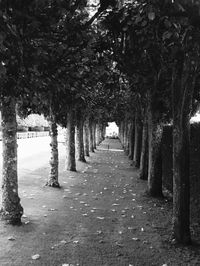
{"type": "Point", "coordinates": [100, 217]}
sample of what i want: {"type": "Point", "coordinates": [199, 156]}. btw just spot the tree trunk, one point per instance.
{"type": "Point", "coordinates": [70, 145]}
{"type": "Point", "coordinates": [126, 137]}
{"type": "Point", "coordinates": [155, 130]}
{"type": "Point", "coordinates": [138, 140]}
{"type": "Point", "coordinates": [94, 135]}
{"type": "Point", "coordinates": [53, 175]}
{"type": "Point", "coordinates": [91, 136]}
{"type": "Point", "coordinates": [79, 140]}
{"type": "Point", "coordinates": [98, 130]}
{"type": "Point", "coordinates": [144, 152]}
{"type": "Point", "coordinates": [11, 209]}
{"type": "Point", "coordinates": [86, 139]}
{"type": "Point", "coordinates": [131, 141]}
{"type": "Point", "coordinates": [182, 94]}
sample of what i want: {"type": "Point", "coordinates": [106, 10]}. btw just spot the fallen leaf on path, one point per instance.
{"type": "Point", "coordinates": [35, 257]}
{"type": "Point", "coordinates": [63, 242]}
{"type": "Point", "coordinates": [11, 238]}
{"type": "Point", "coordinates": [119, 245]}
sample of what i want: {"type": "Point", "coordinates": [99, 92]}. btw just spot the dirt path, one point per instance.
{"type": "Point", "coordinates": [100, 217]}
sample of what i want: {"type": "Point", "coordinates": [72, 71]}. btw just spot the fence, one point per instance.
{"type": "Point", "coordinates": [29, 134]}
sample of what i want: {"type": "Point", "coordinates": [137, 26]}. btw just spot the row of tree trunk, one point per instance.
{"type": "Point", "coordinates": [141, 137]}
{"type": "Point", "coordinates": [82, 137]}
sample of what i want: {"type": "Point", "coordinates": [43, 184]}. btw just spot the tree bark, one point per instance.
{"type": "Point", "coordinates": [126, 137]}
{"type": "Point", "coordinates": [155, 130]}
{"type": "Point", "coordinates": [11, 209]}
{"type": "Point", "coordinates": [131, 141]}
{"type": "Point", "coordinates": [53, 175]}
{"type": "Point", "coordinates": [79, 140]}
{"type": "Point", "coordinates": [94, 135]}
{"type": "Point", "coordinates": [70, 145]}
{"type": "Point", "coordinates": [86, 139]}
{"type": "Point", "coordinates": [91, 136]}
{"type": "Point", "coordinates": [182, 93]}
{"type": "Point", "coordinates": [144, 152]}
{"type": "Point", "coordinates": [138, 140]}
{"type": "Point", "coordinates": [98, 135]}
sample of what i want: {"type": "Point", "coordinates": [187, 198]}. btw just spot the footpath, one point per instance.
{"type": "Point", "coordinates": [101, 216]}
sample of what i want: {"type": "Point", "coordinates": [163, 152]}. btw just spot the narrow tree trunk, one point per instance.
{"type": "Point", "coordinates": [126, 137]}
{"type": "Point", "coordinates": [86, 139]}
{"type": "Point", "coordinates": [11, 209]}
{"type": "Point", "coordinates": [144, 152]}
{"type": "Point", "coordinates": [79, 141]}
{"type": "Point", "coordinates": [70, 145]}
{"type": "Point", "coordinates": [138, 140]}
{"type": "Point", "coordinates": [53, 175]}
{"type": "Point", "coordinates": [94, 135]}
{"type": "Point", "coordinates": [155, 130]}
{"type": "Point", "coordinates": [131, 141]}
{"type": "Point", "coordinates": [182, 94]}
{"type": "Point", "coordinates": [91, 137]}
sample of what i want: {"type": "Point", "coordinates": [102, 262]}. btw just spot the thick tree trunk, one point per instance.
{"type": "Point", "coordinates": [138, 140]}
{"type": "Point", "coordinates": [98, 133]}
{"type": "Point", "coordinates": [79, 141]}
{"type": "Point", "coordinates": [11, 209]}
{"type": "Point", "coordinates": [91, 136]}
{"type": "Point", "coordinates": [182, 94]}
{"type": "Point", "coordinates": [131, 141]}
{"type": "Point", "coordinates": [53, 175]}
{"type": "Point", "coordinates": [70, 145]}
{"type": "Point", "coordinates": [155, 130]}
{"type": "Point", "coordinates": [86, 139]}
{"type": "Point", "coordinates": [144, 152]}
